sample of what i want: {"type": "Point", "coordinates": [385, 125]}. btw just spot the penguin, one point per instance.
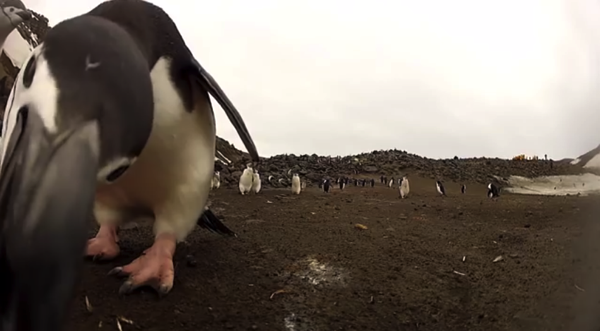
{"type": "Point", "coordinates": [391, 182]}
{"type": "Point", "coordinates": [363, 182]}
{"type": "Point", "coordinates": [109, 117]}
{"type": "Point", "coordinates": [385, 181]}
{"type": "Point", "coordinates": [356, 182]}
{"type": "Point", "coordinates": [440, 188]}
{"type": "Point", "coordinates": [303, 186]}
{"type": "Point", "coordinates": [372, 182]}
{"type": "Point", "coordinates": [12, 13]}
{"type": "Point", "coordinates": [326, 185]}
{"type": "Point", "coordinates": [296, 186]}
{"type": "Point", "coordinates": [216, 180]}
{"type": "Point", "coordinates": [256, 184]}
{"type": "Point", "coordinates": [342, 184]}
{"type": "Point", "coordinates": [492, 191]}
{"type": "Point", "coordinates": [381, 179]}
{"type": "Point", "coordinates": [246, 177]}
{"type": "Point", "coordinates": [463, 189]}
{"type": "Point", "coordinates": [404, 187]}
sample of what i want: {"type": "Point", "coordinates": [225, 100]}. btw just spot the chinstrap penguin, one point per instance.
{"type": "Point", "coordinates": [404, 187]}
{"type": "Point", "coordinates": [492, 191]}
{"type": "Point", "coordinates": [326, 185]}
{"type": "Point", "coordinates": [110, 116]}
{"type": "Point", "coordinates": [440, 188]}
{"type": "Point", "coordinates": [216, 180]}
{"type": "Point", "coordinates": [12, 13]}
{"type": "Point", "coordinates": [296, 186]}
{"type": "Point", "coordinates": [256, 184]}
{"type": "Point", "coordinates": [246, 179]}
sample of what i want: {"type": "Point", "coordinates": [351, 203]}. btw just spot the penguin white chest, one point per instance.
{"type": "Point", "coordinates": [246, 180]}
{"type": "Point", "coordinates": [172, 175]}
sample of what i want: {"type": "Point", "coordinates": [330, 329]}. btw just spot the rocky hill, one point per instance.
{"type": "Point", "coordinates": [314, 168]}
{"type": "Point", "coordinates": [230, 161]}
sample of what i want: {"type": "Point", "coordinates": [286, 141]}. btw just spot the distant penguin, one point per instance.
{"type": "Point", "coordinates": [492, 191]}
{"type": "Point", "coordinates": [342, 184]}
{"type": "Point", "coordinates": [326, 185]}
{"type": "Point", "coordinates": [404, 187]}
{"type": "Point", "coordinates": [356, 182]}
{"type": "Point", "coordinates": [381, 179]}
{"type": "Point", "coordinates": [364, 181]}
{"type": "Point", "coordinates": [372, 182]}
{"type": "Point", "coordinates": [216, 181]}
{"type": "Point", "coordinates": [463, 189]}
{"type": "Point", "coordinates": [256, 184]}
{"type": "Point", "coordinates": [391, 182]}
{"type": "Point", "coordinates": [270, 179]}
{"type": "Point", "coordinates": [246, 180]}
{"type": "Point", "coordinates": [385, 180]}
{"type": "Point", "coordinates": [296, 186]}
{"type": "Point", "coordinates": [303, 186]}
{"type": "Point", "coordinates": [440, 188]}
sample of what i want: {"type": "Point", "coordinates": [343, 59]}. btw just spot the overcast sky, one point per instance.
{"type": "Point", "coordinates": [434, 77]}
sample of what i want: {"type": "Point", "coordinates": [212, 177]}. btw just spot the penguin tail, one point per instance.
{"type": "Point", "coordinates": [212, 223]}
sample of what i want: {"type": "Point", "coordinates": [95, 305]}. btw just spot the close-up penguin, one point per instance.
{"type": "Point", "coordinates": [110, 119]}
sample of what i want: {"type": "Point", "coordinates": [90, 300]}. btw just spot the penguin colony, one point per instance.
{"type": "Point", "coordinates": [89, 128]}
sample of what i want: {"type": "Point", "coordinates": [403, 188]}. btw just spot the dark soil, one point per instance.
{"type": "Point", "coordinates": [404, 272]}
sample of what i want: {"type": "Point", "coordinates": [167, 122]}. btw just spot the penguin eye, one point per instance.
{"type": "Point", "coordinates": [115, 174]}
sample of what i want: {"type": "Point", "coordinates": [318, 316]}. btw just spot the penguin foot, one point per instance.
{"type": "Point", "coordinates": [105, 245]}
{"type": "Point", "coordinates": [153, 268]}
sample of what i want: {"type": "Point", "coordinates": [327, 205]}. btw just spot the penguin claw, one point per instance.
{"type": "Point", "coordinates": [151, 269]}
{"type": "Point", "coordinates": [118, 272]}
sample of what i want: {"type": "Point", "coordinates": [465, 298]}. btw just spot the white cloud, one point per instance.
{"type": "Point", "coordinates": [438, 78]}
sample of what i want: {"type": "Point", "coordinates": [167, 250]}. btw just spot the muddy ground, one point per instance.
{"type": "Point", "coordinates": [424, 263]}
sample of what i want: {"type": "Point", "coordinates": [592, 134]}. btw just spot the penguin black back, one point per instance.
{"type": "Point", "coordinates": [157, 36]}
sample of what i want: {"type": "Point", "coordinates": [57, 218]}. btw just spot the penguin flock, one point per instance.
{"type": "Point", "coordinates": [110, 119]}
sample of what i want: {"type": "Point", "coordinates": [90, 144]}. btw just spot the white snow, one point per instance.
{"type": "Point", "coordinates": [593, 162]}
{"type": "Point", "coordinates": [585, 184]}
{"type": "Point", "coordinates": [574, 162]}
{"type": "Point", "coordinates": [17, 49]}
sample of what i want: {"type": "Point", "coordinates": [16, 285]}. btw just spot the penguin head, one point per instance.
{"type": "Point", "coordinates": [12, 13]}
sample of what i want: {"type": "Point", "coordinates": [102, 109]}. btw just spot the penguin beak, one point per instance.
{"type": "Point", "coordinates": [211, 85]}
{"type": "Point", "coordinates": [25, 15]}
{"type": "Point", "coordinates": [47, 189]}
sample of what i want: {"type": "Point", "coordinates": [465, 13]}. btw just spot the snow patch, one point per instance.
{"type": "Point", "coordinates": [593, 162]}
{"type": "Point", "coordinates": [576, 161]}
{"type": "Point", "coordinates": [17, 49]}
{"type": "Point", "coordinates": [584, 184]}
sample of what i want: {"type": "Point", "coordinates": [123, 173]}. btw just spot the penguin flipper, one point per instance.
{"type": "Point", "coordinates": [210, 84]}
{"type": "Point", "coordinates": [212, 223]}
